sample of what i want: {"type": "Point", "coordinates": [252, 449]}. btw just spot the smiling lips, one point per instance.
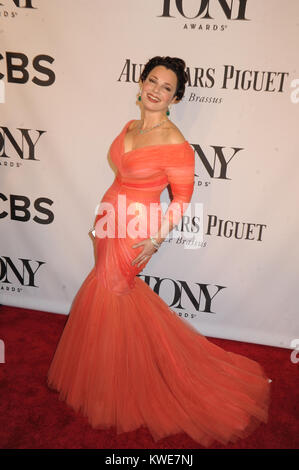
{"type": "Point", "coordinates": [152, 98]}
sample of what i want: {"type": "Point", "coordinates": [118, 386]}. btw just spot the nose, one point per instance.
{"type": "Point", "coordinates": [156, 88]}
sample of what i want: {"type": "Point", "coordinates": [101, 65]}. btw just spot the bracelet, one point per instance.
{"type": "Point", "coordinates": [155, 243]}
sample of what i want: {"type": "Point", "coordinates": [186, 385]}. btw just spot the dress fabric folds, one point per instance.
{"type": "Point", "coordinates": [125, 360]}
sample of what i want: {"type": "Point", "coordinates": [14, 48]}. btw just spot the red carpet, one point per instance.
{"type": "Point", "coordinates": [31, 416]}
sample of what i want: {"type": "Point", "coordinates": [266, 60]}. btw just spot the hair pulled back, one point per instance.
{"type": "Point", "coordinates": [173, 63]}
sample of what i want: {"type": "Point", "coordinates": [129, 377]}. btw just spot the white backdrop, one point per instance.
{"type": "Point", "coordinates": [70, 75]}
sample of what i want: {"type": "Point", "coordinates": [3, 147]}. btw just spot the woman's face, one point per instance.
{"type": "Point", "coordinates": [158, 89]}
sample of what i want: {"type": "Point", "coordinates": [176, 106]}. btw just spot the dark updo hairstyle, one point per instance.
{"type": "Point", "coordinates": [173, 63]}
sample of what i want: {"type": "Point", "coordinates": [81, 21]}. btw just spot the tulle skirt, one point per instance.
{"type": "Point", "coordinates": [128, 361]}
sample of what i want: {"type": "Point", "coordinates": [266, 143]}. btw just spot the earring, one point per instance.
{"type": "Point", "coordinates": [139, 97]}
{"type": "Point", "coordinates": [168, 112]}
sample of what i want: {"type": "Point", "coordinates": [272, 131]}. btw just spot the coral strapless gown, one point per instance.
{"type": "Point", "coordinates": [125, 359]}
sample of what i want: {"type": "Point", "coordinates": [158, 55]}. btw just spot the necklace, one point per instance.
{"type": "Point", "coordinates": [143, 131]}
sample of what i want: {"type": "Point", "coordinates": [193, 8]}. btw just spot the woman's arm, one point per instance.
{"type": "Point", "coordinates": [180, 173]}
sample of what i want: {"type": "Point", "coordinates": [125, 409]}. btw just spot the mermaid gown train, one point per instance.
{"type": "Point", "coordinates": [125, 360]}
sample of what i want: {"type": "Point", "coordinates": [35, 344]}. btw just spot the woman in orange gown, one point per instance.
{"type": "Point", "coordinates": [125, 359]}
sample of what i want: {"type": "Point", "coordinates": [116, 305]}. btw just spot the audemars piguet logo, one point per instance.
{"type": "Point", "coordinates": [228, 228]}
{"type": "Point", "coordinates": [199, 230]}
{"type": "Point", "coordinates": [226, 77]}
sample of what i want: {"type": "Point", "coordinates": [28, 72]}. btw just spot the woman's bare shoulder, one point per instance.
{"type": "Point", "coordinates": [174, 135]}
{"type": "Point", "coordinates": [134, 124]}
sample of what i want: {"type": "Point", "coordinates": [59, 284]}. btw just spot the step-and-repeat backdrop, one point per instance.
{"type": "Point", "coordinates": [69, 74]}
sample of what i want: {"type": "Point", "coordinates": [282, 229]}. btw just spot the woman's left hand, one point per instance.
{"type": "Point", "coordinates": [146, 253]}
